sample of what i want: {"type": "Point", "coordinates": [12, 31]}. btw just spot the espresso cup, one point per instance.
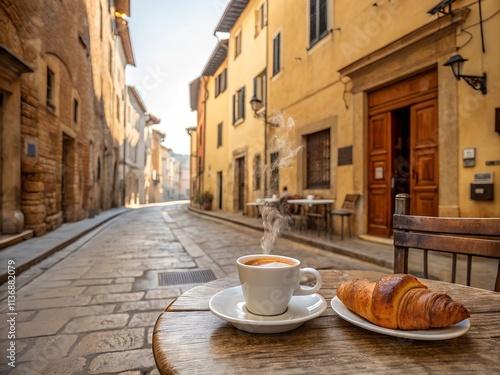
{"type": "Point", "coordinates": [269, 282]}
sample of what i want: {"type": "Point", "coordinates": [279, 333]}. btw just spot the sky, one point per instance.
{"type": "Point", "coordinates": [171, 41]}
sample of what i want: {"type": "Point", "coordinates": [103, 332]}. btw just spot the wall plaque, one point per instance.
{"type": "Point", "coordinates": [345, 155]}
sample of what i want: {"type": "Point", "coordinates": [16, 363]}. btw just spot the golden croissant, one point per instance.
{"type": "Point", "coordinates": [400, 301]}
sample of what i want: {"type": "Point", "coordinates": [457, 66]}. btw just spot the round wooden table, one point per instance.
{"type": "Point", "coordinates": [189, 339]}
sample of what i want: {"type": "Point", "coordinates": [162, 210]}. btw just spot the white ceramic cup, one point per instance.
{"type": "Point", "coordinates": [268, 288]}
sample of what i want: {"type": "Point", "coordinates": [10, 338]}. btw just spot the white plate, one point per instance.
{"type": "Point", "coordinates": [229, 305]}
{"type": "Point", "coordinates": [425, 334]}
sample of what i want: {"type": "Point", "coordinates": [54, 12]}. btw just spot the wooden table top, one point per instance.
{"type": "Point", "coordinates": [311, 201]}
{"type": "Point", "coordinates": [189, 339]}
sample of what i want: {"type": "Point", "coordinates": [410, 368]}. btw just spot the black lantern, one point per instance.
{"type": "Point", "coordinates": [456, 62]}
{"type": "Point", "coordinates": [256, 105]}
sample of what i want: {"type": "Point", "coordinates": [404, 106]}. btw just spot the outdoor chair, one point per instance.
{"type": "Point", "coordinates": [298, 217]}
{"type": "Point", "coordinates": [316, 218]}
{"type": "Point", "coordinates": [469, 236]}
{"type": "Point", "coordinates": [346, 211]}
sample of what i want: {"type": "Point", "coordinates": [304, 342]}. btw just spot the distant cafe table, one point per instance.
{"type": "Point", "coordinates": [189, 339]}
{"type": "Point", "coordinates": [309, 203]}
{"type": "Point", "coordinates": [260, 202]}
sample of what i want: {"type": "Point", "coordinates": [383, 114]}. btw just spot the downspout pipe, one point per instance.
{"type": "Point", "coordinates": [266, 95]}
{"type": "Point", "coordinates": [204, 138]}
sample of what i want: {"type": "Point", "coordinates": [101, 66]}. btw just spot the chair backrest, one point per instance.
{"type": "Point", "coordinates": [469, 236]}
{"type": "Point", "coordinates": [350, 202]}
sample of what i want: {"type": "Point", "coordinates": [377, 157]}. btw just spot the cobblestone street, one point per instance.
{"type": "Point", "coordinates": [93, 309]}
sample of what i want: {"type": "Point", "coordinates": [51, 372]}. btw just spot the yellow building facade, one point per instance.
{"type": "Point", "coordinates": [366, 102]}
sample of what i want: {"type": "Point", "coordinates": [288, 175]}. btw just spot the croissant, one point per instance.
{"type": "Point", "coordinates": [400, 301]}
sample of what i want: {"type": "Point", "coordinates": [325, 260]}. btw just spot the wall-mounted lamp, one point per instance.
{"type": "Point", "coordinates": [257, 105]}
{"type": "Point", "coordinates": [440, 8]}
{"type": "Point", "coordinates": [456, 63]}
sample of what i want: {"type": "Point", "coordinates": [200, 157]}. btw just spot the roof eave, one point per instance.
{"type": "Point", "coordinates": [231, 15]}
{"type": "Point", "coordinates": [122, 30]}
{"type": "Point", "coordinates": [219, 54]}
{"type": "Point", "coordinates": [138, 99]}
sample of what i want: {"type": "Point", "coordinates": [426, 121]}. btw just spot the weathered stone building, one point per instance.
{"type": "Point", "coordinates": [62, 89]}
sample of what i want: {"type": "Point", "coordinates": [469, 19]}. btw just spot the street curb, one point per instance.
{"type": "Point", "coordinates": [45, 254]}
{"type": "Point", "coordinates": [303, 240]}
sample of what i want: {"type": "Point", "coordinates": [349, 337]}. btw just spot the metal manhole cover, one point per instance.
{"type": "Point", "coordinates": [188, 277]}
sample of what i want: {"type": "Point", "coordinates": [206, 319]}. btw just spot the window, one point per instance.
{"type": "Point", "coordinates": [31, 146]}
{"type": "Point", "coordinates": [259, 87]}
{"type": "Point", "coordinates": [221, 82]}
{"type": "Point", "coordinates": [219, 135]}
{"type": "Point", "coordinates": [237, 44]}
{"type": "Point", "coordinates": [51, 89]}
{"type": "Point", "coordinates": [318, 160]}
{"type": "Point", "coordinates": [239, 105]}
{"type": "Point", "coordinates": [256, 172]}
{"type": "Point", "coordinates": [75, 111]}
{"type": "Point", "coordinates": [318, 24]}
{"type": "Point", "coordinates": [260, 18]}
{"type": "Point", "coordinates": [276, 54]}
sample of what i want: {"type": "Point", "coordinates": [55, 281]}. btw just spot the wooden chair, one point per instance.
{"type": "Point", "coordinates": [316, 218]}
{"type": "Point", "coordinates": [346, 211]}
{"type": "Point", "coordinates": [469, 236]}
{"type": "Point", "coordinates": [298, 217]}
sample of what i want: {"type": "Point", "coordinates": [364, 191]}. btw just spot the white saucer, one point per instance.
{"type": "Point", "coordinates": [424, 334]}
{"type": "Point", "coordinates": [229, 305]}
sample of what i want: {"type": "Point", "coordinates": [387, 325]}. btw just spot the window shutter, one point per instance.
{"type": "Point", "coordinates": [219, 135]}
{"type": "Point", "coordinates": [242, 102]}
{"type": "Point", "coordinates": [313, 35]}
{"type": "Point", "coordinates": [223, 81]}
{"type": "Point", "coordinates": [323, 19]}
{"type": "Point", "coordinates": [234, 109]}
{"type": "Point", "coordinates": [276, 54]}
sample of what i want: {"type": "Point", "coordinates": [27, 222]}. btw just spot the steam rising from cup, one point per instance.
{"type": "Point", "coordinates": [276, 215]}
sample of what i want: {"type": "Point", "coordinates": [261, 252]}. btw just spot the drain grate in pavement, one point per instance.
{"type": "Point", "coordinates": [189, 277]}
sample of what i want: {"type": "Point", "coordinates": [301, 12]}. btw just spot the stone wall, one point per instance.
{"type": "Point", "coordinates": [60, 182]}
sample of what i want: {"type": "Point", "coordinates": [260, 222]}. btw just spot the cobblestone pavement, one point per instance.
{"type": "Point", "coordinates": [93, 309]}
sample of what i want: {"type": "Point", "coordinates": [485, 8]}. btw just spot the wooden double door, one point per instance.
{"type": "Point", "coordinates": [402, 150]}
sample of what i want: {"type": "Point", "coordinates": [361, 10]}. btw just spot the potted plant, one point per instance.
{"type": "Point", "coordinates": [205, 200]}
